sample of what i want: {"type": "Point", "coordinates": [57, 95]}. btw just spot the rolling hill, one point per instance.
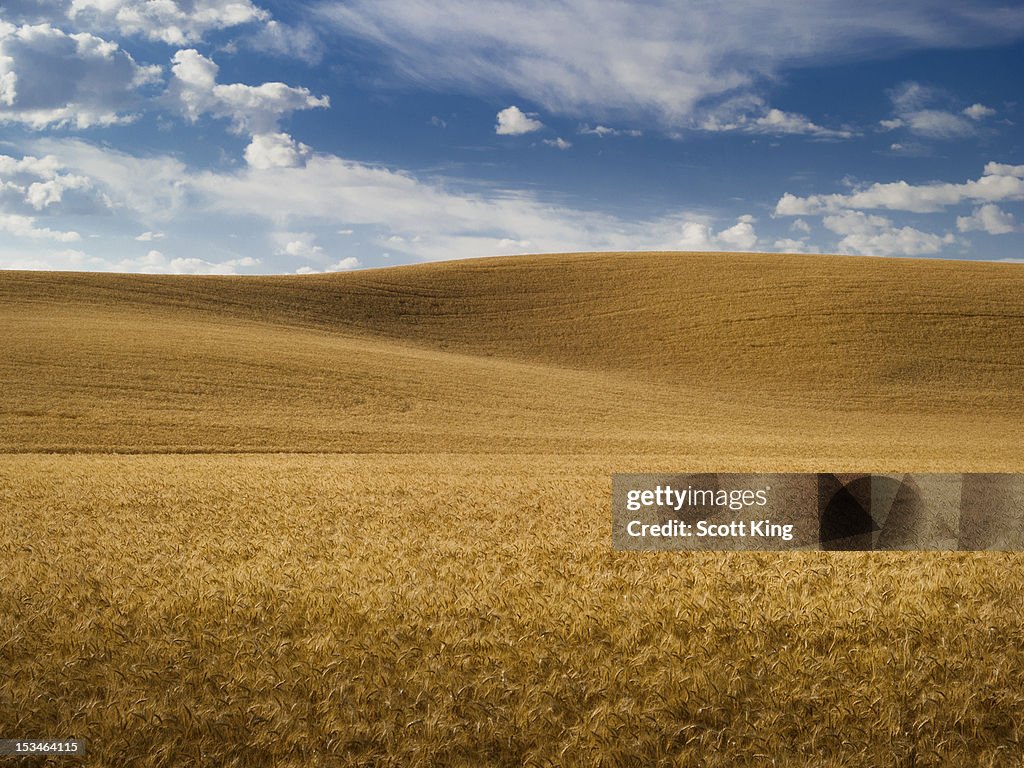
{"type": "Point", "coordinates": [915, 362]}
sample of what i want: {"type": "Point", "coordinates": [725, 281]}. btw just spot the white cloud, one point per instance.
{"type": "Point", "coordinates": [254, 109]}
{"type": "Point", "coordinates": [789, 245]}
{"type": "Point", "coordinates": [344, 265]}
{"type": "Point", "coordinates": [791, 205]}
{"type": "Point", "coordinates": [37, 184]}
{"type": "Point", "coordinates": [740, 235]}
{"type": "Point", "coordinates": [25, 226]}
{"type": "Point", "coordinates": [558, 143]}
{"type": "Point", "coordinates": [988, 218]}
{"type": "Point", "coordinates": [662, 57]}
{"type": "Point", "coordinates": [512, 121]}
{"type": "Point", "coordinates": [176, 22]}
{"type": "Point", "coordinates": [801, 226]}
{"type": "Point", "coordinates": [295, 40]}
{"type": "Point", "coordinates": [998, 183]}
{"type": "Point", "coordinates": [155, 262]}
{"type": "Point", "coordinates": [855, 223]}
{"type": "Point", "coordinates": [913, 104]}
{"type": "Point", "coordinates": [146, 237]}
{"type": "Point", "coordinates": [868, 235]}
{"type": "Point", "coordinates": [979, 111]}
{"type": "Point", "coordinates": [603, 130]}
{"type": "Point", "coordinates": [48, 77]}
{"type": "Point", "coordinates": [773, 122]}
{"type": "Point", "coordinates": [937, 124]}
{"type": "Point", "coordinates": [777, 121]}
{"type": "Point", "coordinates": [276, 150]}
{"type": "Point", "coordinates": [429, 221]}
{"type": "Point", "coordinates": [1002, 169]}
{"type": "Point", "coordinates": [297, 244]}
{"type": "Point", "coordinates": [153, 188]}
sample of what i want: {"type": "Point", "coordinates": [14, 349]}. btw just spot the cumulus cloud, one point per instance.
{"type": "Point", "coordinates": [988, 218]}
{"type": "Point", "coordinates": [25, 226]}
{"type": "Point", "coordinates": [344, 265]}
{"type": "Point", "coordinates": [999, 182]}
{"type": "Point", "coordinates": [297, 244]}
{"type": "Point", "coordinates": [978, 111]}
{"type": "Point", "coordinates": [38, 185]}
{"type": "Point", "coordinates": [153, 188]}
{"type": "Point", "coordinates": [155, 262]}
{"type": "Point", "coordinates": [276, 150]}
{"type": "Point", "coordinates": [660, 57]}
{"type": "Point", "coordinates": [870, 235]}
{"type": "Point", "coordinates": [253, 109]}
{"type": "Point", "coordinates": [49, 77]}
{"type": "Point", "coordinates": [1002, 169]}
{"type": "Point", "coordinates": [176, 22]}
{"type": "Point", "coordinates": [512, 121]}
{"type": "Point", "coordinates": [739, 236]}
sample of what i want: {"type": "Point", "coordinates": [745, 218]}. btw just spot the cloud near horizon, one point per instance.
{"type": "Point", "coordinates": [423, 221]}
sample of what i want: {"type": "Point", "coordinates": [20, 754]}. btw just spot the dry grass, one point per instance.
{"type": "Point", "coordinates": [441, 590]}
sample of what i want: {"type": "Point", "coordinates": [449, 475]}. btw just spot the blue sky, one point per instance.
{"type": "Point", "coordinates": [238, 136]}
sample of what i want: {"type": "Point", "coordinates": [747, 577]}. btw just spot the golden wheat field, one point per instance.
{"type": "Point", "coordinates": [363, 519]}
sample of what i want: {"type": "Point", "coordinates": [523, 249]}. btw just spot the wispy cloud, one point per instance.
{"type": "Point", "coordinates": [915, 109]}
{"type": "Point", "coordinates": [416, 218]}
{"type": "Point", "coordinates": [601, 131]}
{"type": "Point", "coordinates": [658, 57]}
{"type": "Point", "coordinates": [558, 143]}
{"type": "Point", "coordinates": [772, 122]}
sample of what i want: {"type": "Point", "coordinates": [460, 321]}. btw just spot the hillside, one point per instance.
{"type": "Point", "coordinates": [369, 519]}
{"type": "Point", "coordinates": [657, 353]}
